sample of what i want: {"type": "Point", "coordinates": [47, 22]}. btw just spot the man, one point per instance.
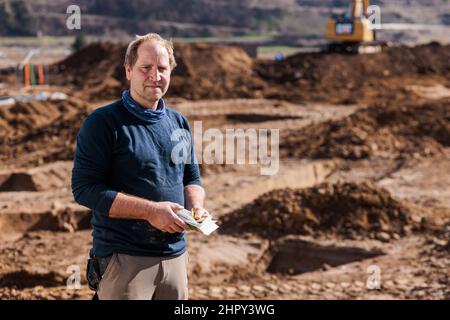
{"type": "Point", "coordinates": [124, 171]}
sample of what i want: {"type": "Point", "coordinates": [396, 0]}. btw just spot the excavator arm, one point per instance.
{"type": "Point", "coordinates": [360, 8]}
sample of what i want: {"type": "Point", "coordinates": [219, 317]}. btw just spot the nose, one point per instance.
{"type": "Point", "coordinates": [155, 75]}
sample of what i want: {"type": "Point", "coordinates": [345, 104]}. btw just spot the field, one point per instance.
{"type": "Point", "coordinates": [359, 208]}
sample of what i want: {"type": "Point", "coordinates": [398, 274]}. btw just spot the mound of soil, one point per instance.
{"type": "Point", "coordinates": [203, 71]}
{"type": "Point", "coordinates": [208, 71]}
{"type": "Point", "coordinates": [34, 133]}
{"type": "Point", "coordinates": [349, 210]}
{"type": "Point", "coordinates": [344, 78]}
{"type": "Point", "coordinates": [380, 130]}
{"type": "Point", "coordinates": [97, 70]}
{"type": "Point", "coordinates": [20, 118]}
{"type": "Point", "coordinates": [214, 72]}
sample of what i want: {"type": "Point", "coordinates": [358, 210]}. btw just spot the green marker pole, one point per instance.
{"type": "Point", "coordinates": [32, 77]}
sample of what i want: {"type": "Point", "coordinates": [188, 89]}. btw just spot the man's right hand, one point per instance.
{"type": "Point", "coordinates": [164, 218]}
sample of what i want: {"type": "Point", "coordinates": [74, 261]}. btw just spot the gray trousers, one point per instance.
{"type": "Point", "coordinates": [144, 278]}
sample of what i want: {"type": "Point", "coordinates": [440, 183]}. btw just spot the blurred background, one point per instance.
{"type": "Point", "coordinates": [285, 25]}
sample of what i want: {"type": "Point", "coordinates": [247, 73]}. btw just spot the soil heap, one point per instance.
{"type": "Point", "coordinates": [350, 210]}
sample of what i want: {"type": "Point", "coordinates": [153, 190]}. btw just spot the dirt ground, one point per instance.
{"type": "Point", "coordinates": [359, 209]}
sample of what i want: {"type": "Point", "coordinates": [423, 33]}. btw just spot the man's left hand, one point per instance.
{"type": "Point", "coordinates": [200, 214]}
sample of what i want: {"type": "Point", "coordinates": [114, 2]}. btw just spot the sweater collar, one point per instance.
{"type": "Point", "coordinates": [145, 114]}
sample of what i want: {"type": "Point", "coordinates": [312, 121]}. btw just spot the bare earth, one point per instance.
{"type": "Point", "coordinates": [45, 234]}
{"type": "Point", "coordinates": [359, 207]}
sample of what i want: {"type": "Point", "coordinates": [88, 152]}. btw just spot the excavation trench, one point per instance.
{"type": "Point", "coordinates": [23, 279]}
{"type": "Point", "coordinates": [299, 256]}
{"type": "Point", "coordinates": [17, 224]}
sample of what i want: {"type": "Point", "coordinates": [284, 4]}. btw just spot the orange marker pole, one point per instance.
{"type": "Point", "coordinates": [41, 74]}
{"type": "Point", "coordinates": [26, 70]}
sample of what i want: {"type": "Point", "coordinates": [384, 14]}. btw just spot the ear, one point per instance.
{"type": "Point", "coordinates": [128, 71]}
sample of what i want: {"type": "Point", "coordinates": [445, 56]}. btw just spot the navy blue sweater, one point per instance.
{"type": "Point", "coordinates": [118, 152]}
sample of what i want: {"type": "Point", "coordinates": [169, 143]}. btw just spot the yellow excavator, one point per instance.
{"type": "Point", "coordinates": [352, 32]}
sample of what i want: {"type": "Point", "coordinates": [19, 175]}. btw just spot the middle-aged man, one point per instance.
{"type": "Point", "coordinates": [123, 171]}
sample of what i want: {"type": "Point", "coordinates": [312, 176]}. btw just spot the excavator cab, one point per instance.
{"type": "Point", "coordinates": [351, 32]}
